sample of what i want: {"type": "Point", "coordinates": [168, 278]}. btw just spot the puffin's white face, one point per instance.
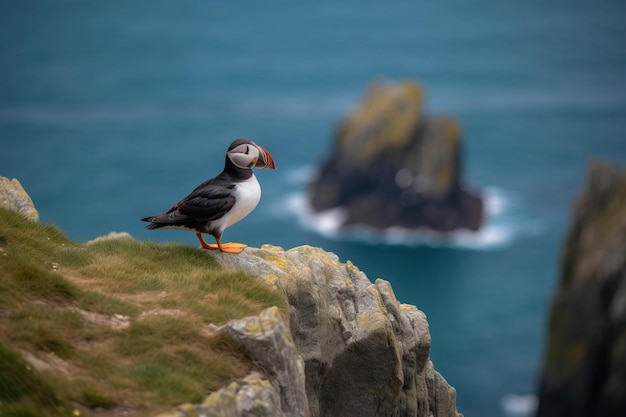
{"type": "Point", "coordinates": [244, 156]}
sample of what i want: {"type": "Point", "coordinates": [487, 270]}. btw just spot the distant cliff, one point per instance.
{"type": "Point", "coordinates": [342, 346]}
{"type": "Point", "coordinates": [392, 165]}
{"type": "Point", "coordinates": [584, 373]}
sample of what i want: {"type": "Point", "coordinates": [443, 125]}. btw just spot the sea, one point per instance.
{"type": "Point", "coordinates": [111, 111]}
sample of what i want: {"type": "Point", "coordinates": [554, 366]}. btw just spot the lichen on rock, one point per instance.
{"type": "Point", "coordinates": [267, 340]}
{"type": "Point", "coordinates": [14, 197]}
{"type": "Point", "coordinates": [252, 396]}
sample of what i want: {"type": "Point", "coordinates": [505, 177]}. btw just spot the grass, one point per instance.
{"type": "Point", "coordinates": [22, 390]}
{"type": "Point", "coordinates": [114, 326]}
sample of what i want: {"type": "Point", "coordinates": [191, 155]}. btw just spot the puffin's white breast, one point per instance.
{"type": "Point", "coordinates": [247, 195]}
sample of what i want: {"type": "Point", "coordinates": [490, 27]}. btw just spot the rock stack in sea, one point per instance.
{"type": "Point", "coordinates": [584, 371]}
{"type": "Point", "coordinates": [392, 165]}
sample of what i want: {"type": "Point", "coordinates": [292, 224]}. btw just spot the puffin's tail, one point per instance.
{"type": "Point", "coordinates": [152, 225]}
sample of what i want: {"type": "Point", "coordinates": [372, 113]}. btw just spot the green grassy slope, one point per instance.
{"type": "Point", "coordinates": [116, 326]}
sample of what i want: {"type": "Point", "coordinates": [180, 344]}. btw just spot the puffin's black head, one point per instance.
{"type": "Point", "coordinates": [246, 154]}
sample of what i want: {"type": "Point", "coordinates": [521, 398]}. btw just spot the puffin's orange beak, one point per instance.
{"type": "Point", "coordinates": [265, 159]}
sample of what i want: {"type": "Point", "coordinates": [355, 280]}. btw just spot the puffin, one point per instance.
{"type": "Point", "coordinates": [221, 201]}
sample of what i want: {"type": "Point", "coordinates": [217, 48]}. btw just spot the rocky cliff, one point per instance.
{"type": "Point", "coordinates": [349, 347]}
{"type": "Point", "coordinates": [364, 353]}
{"type": "Point", "coordinates": [584, 373]}
{"type": "Point", "coordinates": [346, 347]}
{"type": "Point", "coordinates": [393, 165]}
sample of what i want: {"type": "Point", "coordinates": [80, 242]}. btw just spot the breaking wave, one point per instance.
{"type": "Point", "coordinates": [505, 222]}
{"type": "Point", "coordinates": [514, 405]}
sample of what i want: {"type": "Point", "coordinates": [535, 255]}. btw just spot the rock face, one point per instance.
{"type": "Point", "coordinates": [364, 353]}
{"type": "Point", "coordinates": [584, 373]}
{"type": "Point", "coordinates": [391, 165]}
{"type": "Point", "coordinates": [278, 392]}
{"type": "Point", "coordinates": [14, 197]}
{"type": "Point", "coordinates": [268, 340]}
{"type": "Point", "coordinates": [348, 347]}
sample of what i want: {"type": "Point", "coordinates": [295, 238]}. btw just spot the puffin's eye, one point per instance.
{"type": "Point", "coordinates": [247, 149]}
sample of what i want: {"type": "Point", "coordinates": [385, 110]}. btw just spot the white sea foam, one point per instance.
{"type": "Point", "coordinates": [505, 222]}
{"type": "Point", "coordinates": [514, 405]}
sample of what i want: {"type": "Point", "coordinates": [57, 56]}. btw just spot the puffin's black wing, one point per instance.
{"type": "Point", "coordinates": [209, 201]}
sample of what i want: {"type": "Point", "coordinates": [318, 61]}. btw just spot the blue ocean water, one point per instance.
{"type": "Point", "coordinates": [112, 111]}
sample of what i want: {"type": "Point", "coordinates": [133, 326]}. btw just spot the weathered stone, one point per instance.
{"type": "Point", "coordinates": [267, 341]}
{"type": "Point", "coordinates": [584, 373]}
{"type": "Point", "coordinates": [391, 165]}
{"type": "Point", "coordinates": [364, 353]}
{"type": "Point", "coordinates": [14, 197]}
{"type": "Point", "coordinates": [252, 396]}
{"type": "Point", "coordinates": [281, 393]}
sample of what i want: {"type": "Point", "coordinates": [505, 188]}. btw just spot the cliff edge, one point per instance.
{"type": "Point", "coordinates": [340, 346]}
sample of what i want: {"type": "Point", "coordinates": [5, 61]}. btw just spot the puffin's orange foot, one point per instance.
{"type": "Point", "coordinates": [210, 246]}
{"type": "Point", "coordinates": [230, 247]}
{"type": "Point", "coordinates": [233, 247]}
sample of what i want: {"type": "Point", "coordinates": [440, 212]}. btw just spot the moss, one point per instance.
{"type": "Point", "coordinates": [386, 119]}
{"type": "Point", "coordinates": [566, 349]}
{"type": "Point", "coordinates": [609, 219]}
